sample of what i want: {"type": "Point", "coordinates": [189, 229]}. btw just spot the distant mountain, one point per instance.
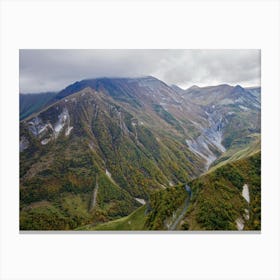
{"type": "Point", "coordinates": [100, 147]}
{"type": "Point", "coordinates": [232, 113]}
{"type": "Point", "coordinates": [33, 102]}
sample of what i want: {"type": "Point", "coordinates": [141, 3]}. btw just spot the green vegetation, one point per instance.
{"type": "Point", "coordinates": [167, 117]}
{"type": "Point", "coordinates": [217, 200]}
{"type": "Point", "coordinates": [240, 148]}
{"type": "Point", "coordinates": [66, 179]}
{"type": "Point", "coordinates": [240, 125]}
{"type": "Point", "coordinates": [46, 217]}
{"type": "Point", "coordinates": [135, 221]}
{"type": "Point", "coordinates": [160, 210]}
{"type": "Point", "coordinates": [163, 204]}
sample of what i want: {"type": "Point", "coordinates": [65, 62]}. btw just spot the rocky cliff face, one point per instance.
{"type": "Point", "coordinates": [208, 144]}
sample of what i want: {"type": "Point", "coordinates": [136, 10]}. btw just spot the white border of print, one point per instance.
{"type": "Point", "coordinates": [156, 24]}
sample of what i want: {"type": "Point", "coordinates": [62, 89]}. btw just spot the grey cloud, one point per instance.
{"type": "Point", "coordinates": [47, 70]}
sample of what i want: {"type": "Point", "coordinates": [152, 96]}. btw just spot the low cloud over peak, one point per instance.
{"type": "Point", "coordinates": [52, 70]}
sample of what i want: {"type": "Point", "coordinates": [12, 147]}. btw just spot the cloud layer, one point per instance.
{"type": "Point", "coordinates": [52, 70]}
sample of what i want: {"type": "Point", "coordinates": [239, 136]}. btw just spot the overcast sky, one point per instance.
{"type": "Point", "coordinates": [53, 70]}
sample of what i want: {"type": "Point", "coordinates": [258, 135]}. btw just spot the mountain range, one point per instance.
{"type": "Point", "coordinates": [111, 153]}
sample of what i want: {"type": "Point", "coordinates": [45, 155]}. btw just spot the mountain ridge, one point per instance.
{"type": "Point", "coordinates": [131, 138]}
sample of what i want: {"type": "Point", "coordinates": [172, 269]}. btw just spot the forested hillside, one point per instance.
{"type": "Point", "coordinates": [105, 152]}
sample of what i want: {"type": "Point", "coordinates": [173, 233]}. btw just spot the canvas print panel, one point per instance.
{"type": "Point", "coordinates": [140, 140]}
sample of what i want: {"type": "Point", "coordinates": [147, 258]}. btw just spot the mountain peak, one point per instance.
{"type": "Point", "coordinates": [194, 87]}
{"type": "Point", "coordinates": [238, 89]}
{"type": "Point", "coordinates": [149, 77]}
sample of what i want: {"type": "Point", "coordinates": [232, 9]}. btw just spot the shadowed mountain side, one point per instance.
{"type": "Point", "coordinates": [34, 102]}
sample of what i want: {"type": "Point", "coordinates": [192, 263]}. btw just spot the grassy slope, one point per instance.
{"type": "Point", "coordinates": [240, 148]}
{"type": "Point", "coordinates": [134, 221]}
{"type": "Point", "coordinates": [164, 206]}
